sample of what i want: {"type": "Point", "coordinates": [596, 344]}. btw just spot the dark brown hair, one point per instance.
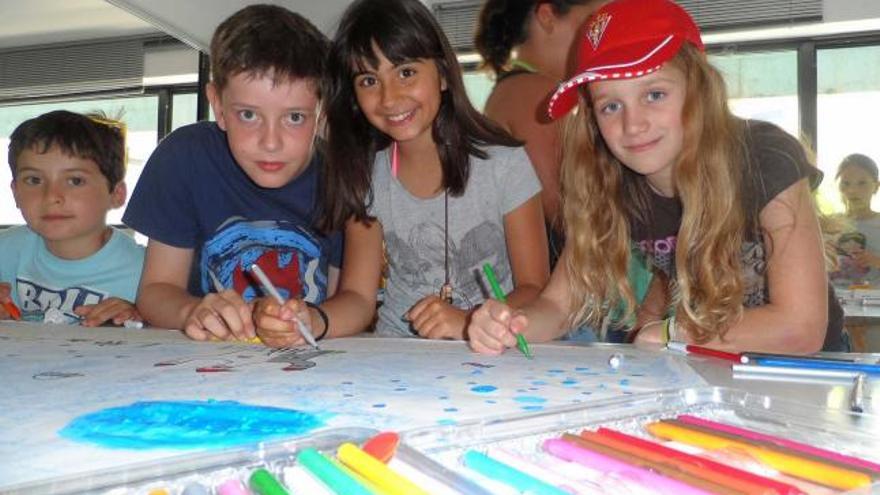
{"type": "Point", "coordinates": [267, 40]}
{"type": "Point", "coordinates": [404, 30]}
{"type": "Point", "coordinates": [92, 137]}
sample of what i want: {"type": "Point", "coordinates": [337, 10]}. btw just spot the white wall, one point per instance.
{"type": "Point", "coordinates": [850, 10]}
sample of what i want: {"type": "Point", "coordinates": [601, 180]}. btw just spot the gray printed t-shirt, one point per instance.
{"type": "Point", "coordinates": [414, 233]}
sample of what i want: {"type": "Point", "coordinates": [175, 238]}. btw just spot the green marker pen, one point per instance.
{"type": "Point", "coordinates": [521, 343]}
{"type": "Point", "coordinates": [263, 483]}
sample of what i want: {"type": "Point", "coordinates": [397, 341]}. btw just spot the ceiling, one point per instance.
{"type": "Point", "coordinates": [25, 23]}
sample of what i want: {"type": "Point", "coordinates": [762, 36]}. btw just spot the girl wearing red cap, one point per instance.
{"type": "Point", "coordinates": [720, 206]}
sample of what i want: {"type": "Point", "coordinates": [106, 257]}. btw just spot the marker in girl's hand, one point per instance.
{"type": "Point", "coordinates": [302, 326]}
{"type": "Point", "coordinates": [12, 309]}
{"type": "Point", "coordinates": [521, 343]}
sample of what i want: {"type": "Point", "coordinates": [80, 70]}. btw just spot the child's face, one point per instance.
{"type": "Point", "coordinates": [270, 127]}
{"type": "Point", "coordinates": [640, 120]}
{"type": "Point", "coordinates": [851, 247]}
{"type": "Point", "coordinates": [64, 199]}
{"type": "Point", "coordinates": [856, 186]}
{"type": "Point", "coordinates": [401, 101]}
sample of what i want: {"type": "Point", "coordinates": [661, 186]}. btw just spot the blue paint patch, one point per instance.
{"type": "Point", "coordinates": [450, 409]}
{"type": "Point", "coordinates": [401, 389]}
{"type": "Point", "coordinates": [555, 371]}
{"type": "Point", "coordinates": [483, 389]}
{"type": "Point", "coordinates": [532, 408]}
{"type": "Point", "coordinates": [539, 382]}
{"type": "Point", "coordinates": [569, 382]}
{"type": "Point", "coordinates": [624, 382]}
{"type": "Point", "coordinates": [477, 372]}
{"type": "Point", "coordinates": [534, 388]}
{"type": "Point", "coordinates": [187, 425]}
{"type": "Point", "coordinates": [379, 405]}
{"type": "Point", "coordinates": [490, 401]}
{"type": "Point", "coordinates": [529, 399]}
{"type": "Point", "coordinates": [582, 368]}
{"type": "Point", "coordinates": [447, 422]}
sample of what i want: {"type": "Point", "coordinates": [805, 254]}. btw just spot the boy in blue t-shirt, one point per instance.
{"type": "Point", "coordinates": [67, 172]}
{"type": "Point", "coordinates": [215, 198]}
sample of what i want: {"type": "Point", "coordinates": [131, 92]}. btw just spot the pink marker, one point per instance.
{"type": "Point", "coordinates": [780, 442]}
{"type": "Point", "coordinates": [232, 487]}
{"type": "Point", "coordinates": [599, 462]}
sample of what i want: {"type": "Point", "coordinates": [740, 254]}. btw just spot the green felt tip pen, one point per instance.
{"type": "Point", "coordinates": [263, 483]}
{"type": "Point", "coordinates": [521, 343]}
{"type": "Point", "coordinates": [333, 475]}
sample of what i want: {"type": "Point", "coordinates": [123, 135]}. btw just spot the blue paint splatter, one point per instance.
{"type": "Point", "coordinates": [555, 371]}
{"type": "Point", "coordinates": [379, 405]}
{"type": "Point", "coordinates": [529, 399]}
{"type": "Point", "coordinates": [624, 382]}
{"type": "Point", "coordinates": [483, 389]}
{"type": "Point", "coordinates": [187, 425]}
{"type": "Point", "coordinates": [539, 382]}
{"type": "Point", "coordinates": [582, 368]}
{"type": "Point", "coordinates": [569, 382]}
{"type": "Point", "coordinates": [450, 409]}
{"type": "Point", "coordinates": [447, 422]}
{"type": "Point", "coordinates": [532, 408]}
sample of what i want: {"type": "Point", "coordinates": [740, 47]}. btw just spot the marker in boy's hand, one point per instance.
{"type": "Point", "coordinates": [224, 315]}
{"type": "Point", "coordinates": [276, 324]}
{"type": "Point", "coordinates": [112, 309]}
{"type": "Point", "coordinates": [493, 327]}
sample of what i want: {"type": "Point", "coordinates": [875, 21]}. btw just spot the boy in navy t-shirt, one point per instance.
{"type": "Point", "coordinates": [215, 198]}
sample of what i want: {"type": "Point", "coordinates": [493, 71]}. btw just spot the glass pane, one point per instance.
{"type": "Point", "coordinates": [184, 110]}
{"type": "Point", "coordinates": [762, 85]}
{"type": "Point", "coordinates": [849, 102]}
{"type": "Point", "coordinates": [139, 113]}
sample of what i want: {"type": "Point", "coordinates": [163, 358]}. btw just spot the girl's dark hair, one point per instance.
{"type": "Point", "coordinates": [403, 30]}
{"type": "Point", "coordinates": [504, 24]}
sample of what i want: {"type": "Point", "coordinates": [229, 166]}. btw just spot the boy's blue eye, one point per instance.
{"type": "Point", "coordinates": [656, 95]}
{"type": "Point", "coordinates": [247, 115]}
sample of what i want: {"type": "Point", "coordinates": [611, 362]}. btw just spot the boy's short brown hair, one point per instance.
{"type": "Point", "coordinates": [92, 137]}
{"type": "Point", "coordinates": [268, 40]}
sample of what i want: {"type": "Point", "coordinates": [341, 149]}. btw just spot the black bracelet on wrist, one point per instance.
{"type": "Point", "coordinates": [324, 318]}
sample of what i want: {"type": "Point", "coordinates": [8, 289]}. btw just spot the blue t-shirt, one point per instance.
{"type": "Point", "coordinates": [40, 280]}
{"type": "Point", "coordinates": [192, 194]}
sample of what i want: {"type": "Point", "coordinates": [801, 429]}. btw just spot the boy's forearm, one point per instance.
{"type": "Point", "coordinates": [165, 305]}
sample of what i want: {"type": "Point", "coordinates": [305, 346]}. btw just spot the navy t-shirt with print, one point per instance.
{"type": "Point", "coordinates": [192, 194]}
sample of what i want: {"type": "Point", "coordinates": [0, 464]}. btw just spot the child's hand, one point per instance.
{"type": "Point", "coordinates": [5, 293]}
{"type": "Point", "coordinates": [111, 309]}
{"type": "Point", "coordinates": [223, 316]}
{"type": "Point", "coordinates": [493, 327]}
{"type": "Point", "coordinates": [276, 325]}
{"type": "Point", "coordinates": [433, 318]}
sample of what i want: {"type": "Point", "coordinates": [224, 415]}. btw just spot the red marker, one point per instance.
{"type": "Point", "coordinates": [12, 309]}
{"type": "Point", "coordinates": [703, 351]}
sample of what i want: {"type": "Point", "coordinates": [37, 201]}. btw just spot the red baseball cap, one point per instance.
{"type": "Point", "coordinates": [626, 39]}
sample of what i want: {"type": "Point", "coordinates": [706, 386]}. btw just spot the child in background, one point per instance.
{"type": "Point", "coordinates": [857, 181]}
{"type": "Point", "coordinates": [528, 44]}
{"type": "Point", "coordinates": [215, 198]}
{"type": "Point", "coordinates": [68, 171]}
{"type": "Point", "coordinates": [721, 207]}
{"type": "Point", "coordinates": [413, 164]}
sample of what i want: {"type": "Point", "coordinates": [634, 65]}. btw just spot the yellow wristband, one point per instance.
{"type": "Point", "coordinates": [664, 334]}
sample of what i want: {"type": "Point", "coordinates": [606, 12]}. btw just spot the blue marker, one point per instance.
{"type": "Point", "coordinates": [813, 364]}
{"type": "Point", "coordinates": [522, 482]}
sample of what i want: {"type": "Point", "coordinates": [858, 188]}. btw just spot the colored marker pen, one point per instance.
{"type": "Point", "coordinates": [263, 483]}
{"type": "Point", "coordinates": [12, 309]}
{"type": "Point", "coordinates": [302, 326]}
{"type": "Point", "coordinates": [521, 343]}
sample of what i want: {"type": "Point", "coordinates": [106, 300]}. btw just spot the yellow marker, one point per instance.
{"type": "Point", "coordinates": [381, 476]}
{"type": "Point", "coordinates": [791, 464]}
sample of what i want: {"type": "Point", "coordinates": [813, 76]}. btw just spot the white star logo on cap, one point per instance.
{"type": "Point", "coordinates": [597, 29]}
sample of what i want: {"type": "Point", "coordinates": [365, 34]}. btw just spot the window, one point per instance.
{"type": "Point", "coordinates": [848, 81]}
{"type": "Point", "coordinates": [761, 85]}
{"type": "Point", "coordinates": [139, 113]}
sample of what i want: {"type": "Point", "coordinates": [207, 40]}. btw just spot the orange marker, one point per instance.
{"type": "Point", "coordinates": [12, 309]}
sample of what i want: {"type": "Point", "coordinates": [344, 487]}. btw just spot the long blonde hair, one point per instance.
{"type": "Point", "coordinates": [601, 194]}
